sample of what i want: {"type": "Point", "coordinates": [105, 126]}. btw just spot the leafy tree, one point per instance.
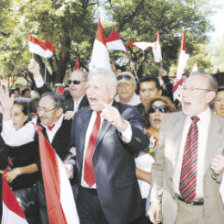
{"type": "Point", "coordinates": [71, 26]}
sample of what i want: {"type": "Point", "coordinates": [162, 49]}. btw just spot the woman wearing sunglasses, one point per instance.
{"type": "Point", "coordinates": [157, 111]}
{"type": "Point", "coordinates": [158, 108]}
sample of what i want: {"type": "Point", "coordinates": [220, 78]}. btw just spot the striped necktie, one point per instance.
{"type": "Point", "coordinates": [188, 175]}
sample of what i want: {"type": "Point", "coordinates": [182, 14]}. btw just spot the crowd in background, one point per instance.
{"type": "Point", "coordinates": [62, 113]}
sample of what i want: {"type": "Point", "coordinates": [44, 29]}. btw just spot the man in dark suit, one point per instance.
{"type": "Point", "coordinates": [108, 191]}
{"type": "Point", "coordinates": [75, 97]}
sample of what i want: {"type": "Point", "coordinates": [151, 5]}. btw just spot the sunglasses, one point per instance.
{"type": "Point", "coordinates": [162, 109]}
{"type": "Point", "coordinates": [127, 77]}
{"type": "Point", "coordinates": [75, 82]}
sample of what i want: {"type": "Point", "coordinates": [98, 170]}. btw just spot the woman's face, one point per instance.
{"type": "Point", "coordinates": [157, 113]}
{"type": "Point", "coordinates": [18, 117]}
{"type": "Point", "coordinates": [219, 103]}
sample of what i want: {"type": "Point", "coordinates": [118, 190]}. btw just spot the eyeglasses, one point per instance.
{"type": "Point", "coordinates": [162, 109]}
{"type": "Point", "coordinates": [193, 89]}
{"type": "Point", "coordinates": [45, 110]}
{"type": "Point", "coordinates": [127, 77]}
{"type": "Point", "coordinates": [75, 82]}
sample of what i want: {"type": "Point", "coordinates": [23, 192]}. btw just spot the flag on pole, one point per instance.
{"type": "Point", "coordinates": [100, 56]}
{"type": "Point", "coordinates": [76, 64]}
{"type": "Point", "coordinates": [114, 42]}
{"type": "Point", "coordinates": [142, 45]}
{"type": "Point", "coordinates": [156, 49]}
{"type": "Point", "coordinates": [195, 67]}
{"type": "Point", "coordinates": [183, 58]}
{"type": "Point", "coordinates": [61, 206]}
{"type": "Point", "coordinates": [12, 213]}
{"type": "Point", "coordinates": [44, 50]}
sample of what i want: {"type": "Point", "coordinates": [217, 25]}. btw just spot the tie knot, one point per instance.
{"type": "Point", "coordinates": [50, 127]}
{"type": "Point", "coordinates": [195, 119]}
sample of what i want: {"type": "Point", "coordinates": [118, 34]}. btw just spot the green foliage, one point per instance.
{"type": "Point", "coordinates": [71, 26]}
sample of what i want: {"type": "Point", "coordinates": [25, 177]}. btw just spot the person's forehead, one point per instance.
{"type": "Point", "coordinates": [46, 101]}
{"type": "Point", "coordinates": [148, 84]}
{"type": "Point", "coordinates": [76, 75]}
{"type": "Point", "coordinates": [195, 81]}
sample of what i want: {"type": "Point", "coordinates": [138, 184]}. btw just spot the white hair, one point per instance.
{"type": "Point", "coordinates": [108, 75]}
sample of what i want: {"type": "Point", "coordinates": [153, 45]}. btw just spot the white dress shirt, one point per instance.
{"type": "Point", "coordinates": [125, 135]}
{"type": "Point", "coordinates": [203, 126]}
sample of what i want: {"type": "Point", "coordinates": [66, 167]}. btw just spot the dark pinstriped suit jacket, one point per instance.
{"type": "Point", "coordinates": [114, 165]}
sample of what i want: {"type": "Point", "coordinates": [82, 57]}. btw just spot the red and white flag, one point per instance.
{"type": "Point", "coordinates": [76, 64]}
{"type": "Point", "coordinates": [61, 206]}
{"type": "Point", "coordinates": [183, 58]}
{"type": "Point", "coordinates": [177, 89]}
{"type": "Point", "coordinates": [100, 56]}
{"type": "Point", "coordinates": [114, 42]}
{"type": "Point", "coordinates": [142, 45]}
{"type": "Point", "coordinates": [12, 213]}
{"type": "Point", "coordinates": [156, 49]}
{"type": "Point", "coordinates": [44, 50]}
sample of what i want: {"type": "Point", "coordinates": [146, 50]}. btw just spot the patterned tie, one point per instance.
{"type": "Point", "coordinates": [88, 163]}
{"type": "Point", "coordinates": [188, 175]}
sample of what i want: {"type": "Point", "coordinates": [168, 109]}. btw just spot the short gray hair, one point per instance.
{"type": "Point", "coordinates": [212, 82]}
{"type": "Point", "coordinates": [84, 73]}
{"type": "Point", "coordinates": [109, 76]}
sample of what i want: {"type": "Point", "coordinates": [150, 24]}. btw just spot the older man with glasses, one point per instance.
{"type": "Point", "coordinates": [55, 128]}
{"type": "Point", "coordinates": [126, 89]}
{"type": "Point", "coordinates": [75, 98]}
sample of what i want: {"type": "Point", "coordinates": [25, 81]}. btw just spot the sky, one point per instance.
{"type": "Point", "coordinates": [217, 19]}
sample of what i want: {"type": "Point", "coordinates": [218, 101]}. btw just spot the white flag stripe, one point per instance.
{"type": "Point", "coordinates": [9, 217]}
{"type": "Point", "coordinates": [182, 63]}
{"type": "Point", "coordinates": [37, 49]}
{"type": "Point", "coordinates": [116, 45]}
{"type": "Point", "coordinates": [143, 45]}
{"type": "Point", "coordinates": [66, 195]}
{"type": "Point", "coordinates": [100, 56]}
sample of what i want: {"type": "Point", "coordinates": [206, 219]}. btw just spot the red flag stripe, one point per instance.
{"type": "Point", "coordinates": [100, 34]}
{"type": "Point", "coordinates": [10, 200]}
{"type": "Point", "coordinates": [50, 174]}
{"type": "Point", "coordinates": [113, 36]}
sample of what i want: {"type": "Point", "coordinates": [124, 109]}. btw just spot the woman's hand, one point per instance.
{"type": "Point", "coordinates": [12, 174]}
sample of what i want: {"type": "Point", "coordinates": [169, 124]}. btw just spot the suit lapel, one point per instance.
{"type": "Point", "coordinates": [177, 132]}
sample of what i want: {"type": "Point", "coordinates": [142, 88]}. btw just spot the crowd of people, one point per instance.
{"type": "Point", "coordinates": [132, 154]}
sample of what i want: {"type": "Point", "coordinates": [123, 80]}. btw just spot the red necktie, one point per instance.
{"type": "Point", "coordinates": [88, 163]}
{"type": "Point", "coordinates": [50, 127]}
{"type": "Point", "coordinates": [188, 175]}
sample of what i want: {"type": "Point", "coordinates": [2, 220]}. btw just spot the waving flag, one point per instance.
{"type": "Point", "coordinates": [12, 213]}
{"type": "Point", "coordinates": [50, 48]}
{"type": "Point", "coordinates": [61, 206]}
{"type": "Point", "coordinates": [114, 42]}
{"type": "Point", "coordinates": [142, 45]}
{"type": "Point", "coordinates": [76, 64]}
{"type": "Point", "coordinates": [44, 50]}
{"type": "Point", "coordinates": [100, 56]}
{"type": "Point", "coordinates": [156, 49]}
{"type": "Point", "coordinates": [183, 58]}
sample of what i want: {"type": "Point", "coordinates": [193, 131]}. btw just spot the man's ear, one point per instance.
{"type": "Point", "coordinates": [59, 112]}
{"type": "Point", "coordinates": [210, 96]}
